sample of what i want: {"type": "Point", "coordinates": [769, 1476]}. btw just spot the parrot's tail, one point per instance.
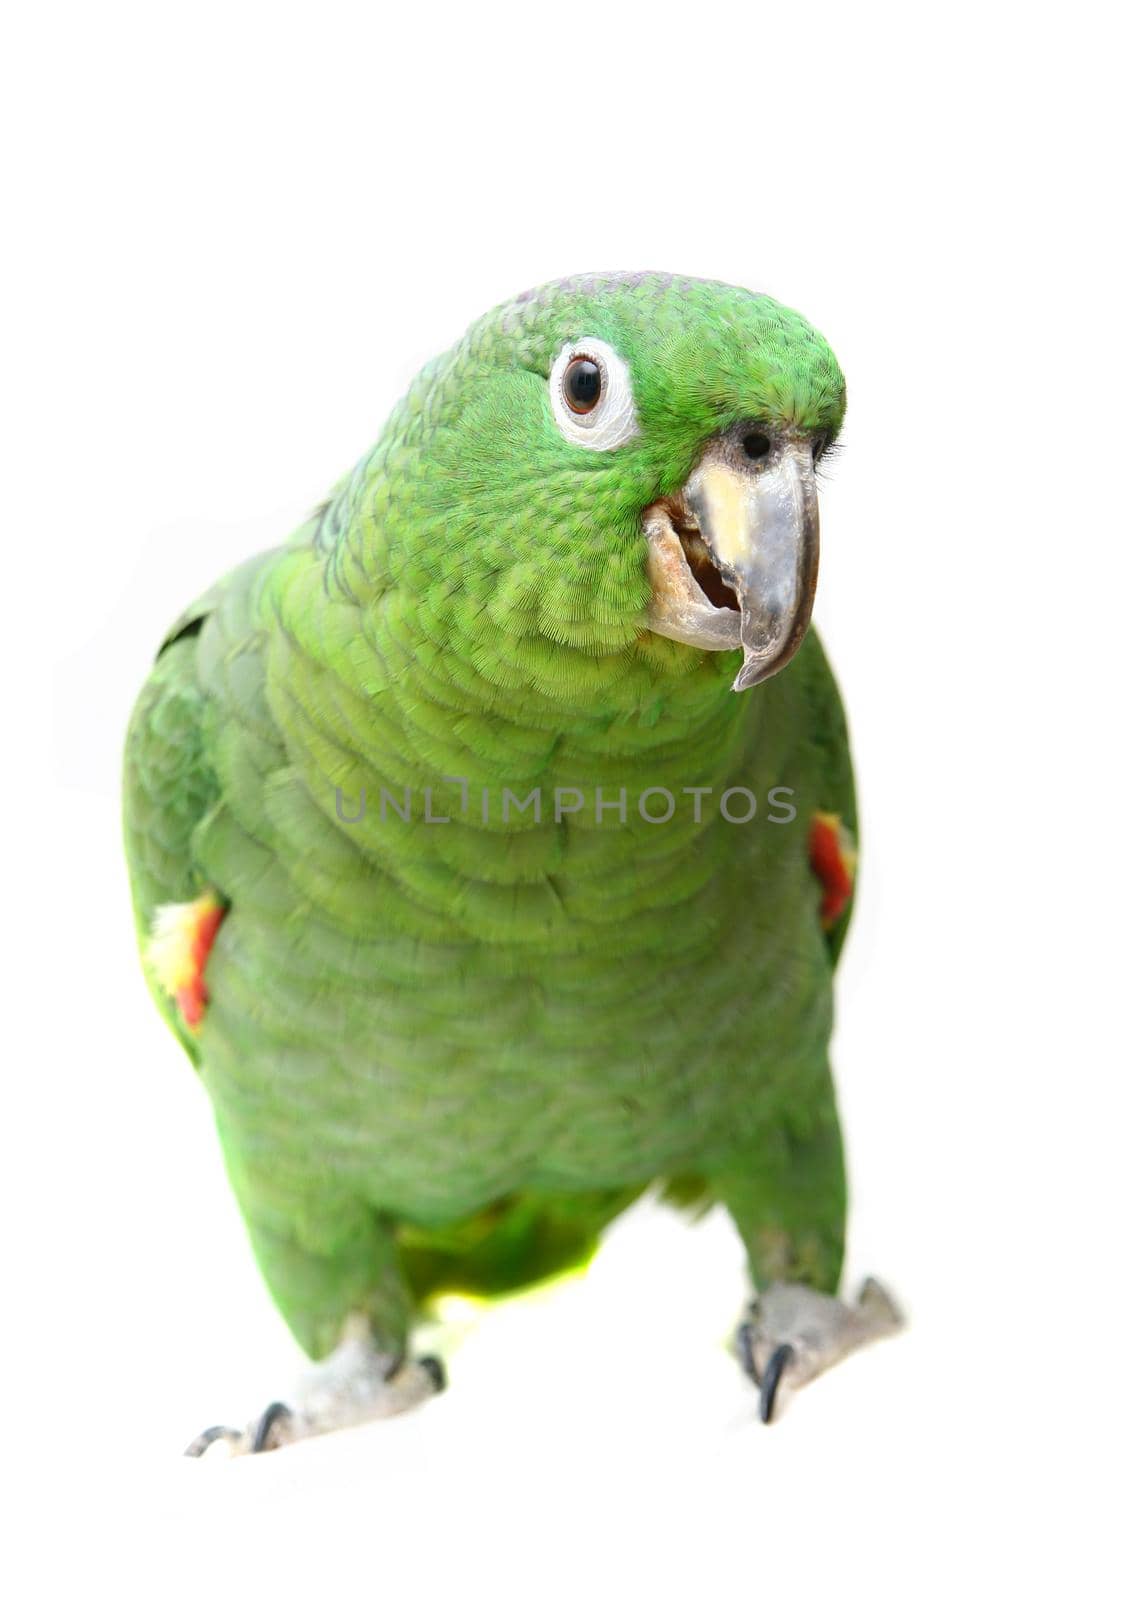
{"type": "Point", "coordinates": [520, 1240]}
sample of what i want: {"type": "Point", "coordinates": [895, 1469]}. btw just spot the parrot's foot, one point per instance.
{"type": "Point", "coordinates": [357, 1383]}
{"type": "Point", "coordinates": [793, 1333]}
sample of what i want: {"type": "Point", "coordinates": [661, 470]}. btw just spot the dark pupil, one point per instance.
{"type": "Point", "coordinates": [756, 445]}
{"type": "Point", "coordinates": [582, 384]}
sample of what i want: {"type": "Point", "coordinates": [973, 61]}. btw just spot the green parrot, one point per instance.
{"type": "Point", "coordinates": [479, 901]}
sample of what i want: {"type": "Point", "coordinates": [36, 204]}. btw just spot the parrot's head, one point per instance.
{"type": "Point", "coordinates": [616, 456]}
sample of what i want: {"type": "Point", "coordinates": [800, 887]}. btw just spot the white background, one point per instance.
{"type": "Point", "coordinates": [233, 233]}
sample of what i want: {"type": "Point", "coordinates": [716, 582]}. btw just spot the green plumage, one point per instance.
{"type": "Point", "coordinates": [446, 1053]}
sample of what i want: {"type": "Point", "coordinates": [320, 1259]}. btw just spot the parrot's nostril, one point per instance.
{"type": "Point", "coordinates": [757, 445]}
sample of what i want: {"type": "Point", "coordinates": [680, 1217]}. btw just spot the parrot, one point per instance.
{"type": "Point", "coordinates": [492, 841]}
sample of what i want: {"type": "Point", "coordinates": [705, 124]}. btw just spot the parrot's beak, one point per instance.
{"type": "Point", "coordinates": [733, 558]}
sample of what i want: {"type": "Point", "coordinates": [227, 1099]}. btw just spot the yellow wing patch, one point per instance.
{"type": "Point", "coordinates": [177, 952]}
{"type": "Point", "coordinates": [834, 862]}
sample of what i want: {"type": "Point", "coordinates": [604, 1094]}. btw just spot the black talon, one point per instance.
{"type": "Point", "coordinates": [272, 1414]}
{"type": "Point", "coordinates": [769, 1384]}
{"type": "Point", "coordinates": [200, 1446]}
{"type": "Point", "coordinates": [744, 1342]}
{"type": "Point", "coordinates": [434, 1366]}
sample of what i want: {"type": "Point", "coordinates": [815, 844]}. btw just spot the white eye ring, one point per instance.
{"type": "Point", "coordinates": [612, 421]}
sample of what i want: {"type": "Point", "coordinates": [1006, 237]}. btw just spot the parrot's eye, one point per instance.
{"type": "Point", "coordinates": [757, 445]}
{"type": "Point", "coordinates": [591, 395]}
{"type": "Point", "coordinates": [582, 384]}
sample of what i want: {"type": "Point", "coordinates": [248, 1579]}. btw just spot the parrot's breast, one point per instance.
{"type": "Point", "coordinates": [444, 999]}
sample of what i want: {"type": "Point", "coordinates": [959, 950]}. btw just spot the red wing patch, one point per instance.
{"type": "Point", "coordinates": [833, 861]}
{"type": "Point", "coordinates": [177, 953]}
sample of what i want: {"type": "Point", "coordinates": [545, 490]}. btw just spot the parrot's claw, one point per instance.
{"type": "Point", "coordinates": [203, 1441]}
{"type": "Point", "coordinates": [357, 1383]}
{"type": "Point", "coordinates": [793, 1333]}
{"type": "Point", "coordinates": [268, 1430]}
{"type": "Point", "coordinates": [278, 1424]}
